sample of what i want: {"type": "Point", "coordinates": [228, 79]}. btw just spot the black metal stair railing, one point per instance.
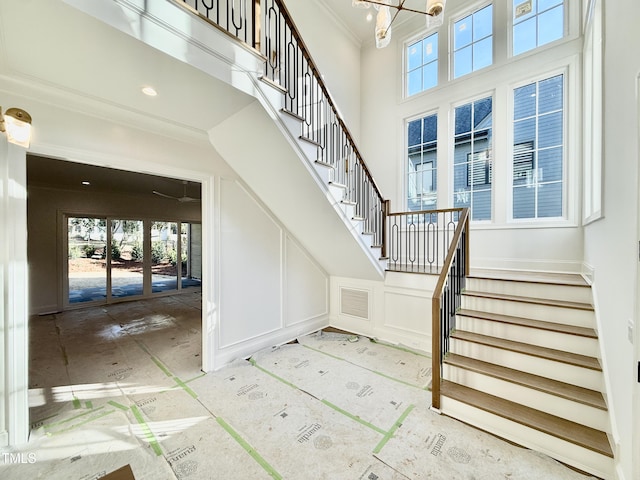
{"type": "Point", "coordinates": [266, 25]}
{"type": "Point", "coordinates": [446, 300]}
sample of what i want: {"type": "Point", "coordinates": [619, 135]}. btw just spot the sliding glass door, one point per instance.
{"type": "Point", "coordinates": [127, 258]}
{"type": "Point", "coordinates": [110, 258]}
{"type": "Point", "coordinates": [86, 259]}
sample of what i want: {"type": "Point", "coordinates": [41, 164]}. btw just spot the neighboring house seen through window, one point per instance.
{"type": "Point", "coordinates": [538, 149]}
{"type": "Point", "coordinates": [422, 65]}
{"type": "Point", "coordinates": [422, 142]}
{"type": "Point", "coordinates": [536, 23]}
{"type": "Point", "coordinates": [472, 158]}
{"type": "Point", "coordinates": [473, 42]}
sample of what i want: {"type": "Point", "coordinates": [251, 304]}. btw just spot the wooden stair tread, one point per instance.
{"type": "Point", "coordinates": [324, 164]}
{"type": "Point", "coordinates": [586, 437]}
{"type": "Point", "coordinates": [584, 361]}
{"type": "Point", "coordinates": [310, 140]}
{"type": "Point", "coordinates": [582, 395]}
{"type": "Point", "coordinates": [537, 301]}
{"type": "Point", "coordinates": [526, 322]}
{"type": "Point", "coordinates": [289, 112]}
{"type": "Point", "coordinates": [551, 278]}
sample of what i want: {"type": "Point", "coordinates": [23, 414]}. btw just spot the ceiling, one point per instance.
{"type": "Point", "coordinates": [354, 19]}
{"type": "Point", "coordinates": [60, 174]}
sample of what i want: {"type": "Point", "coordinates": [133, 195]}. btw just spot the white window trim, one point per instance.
{"type": "Point", "coordinates": [570, 152]}
{"type": "Point", "coordinates": [592, 114]}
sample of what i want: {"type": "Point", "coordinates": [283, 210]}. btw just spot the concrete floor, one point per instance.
{"type": "Point", "coordinates": [121, 384]}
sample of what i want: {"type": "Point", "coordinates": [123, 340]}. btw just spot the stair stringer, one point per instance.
{"type": "Point", "coordinates": [292, 188]}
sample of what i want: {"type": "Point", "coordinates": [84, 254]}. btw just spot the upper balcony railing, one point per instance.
{"type": "Point", "coordinates": [266, 25]}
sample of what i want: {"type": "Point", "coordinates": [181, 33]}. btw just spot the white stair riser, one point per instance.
{"type": "Point", "coordinates": [324, 172]}
{"type": "Point", "coordinates": [291, 123]}
{"type": "Point", "coordinates": [545, 402]}
{"type": "Point", "coordinates": [568, 293]}
{"type": "Point", "coordinates": [336, 192]}
{"type": "Point", "coordinates": [567, 452]}
{"type": "Point", "coordinates": [563, 372]}
{"type": "Point", "coordinates": [546, 313]}
{"type": "Point", "coordinates": [533, 336]}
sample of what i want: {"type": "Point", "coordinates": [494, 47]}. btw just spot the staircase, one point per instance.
{"type": "Point", "coordinates": [523, 364]}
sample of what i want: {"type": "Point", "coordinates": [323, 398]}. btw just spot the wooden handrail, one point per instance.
{"type": "Point", "coordinates": [422, 212]}
{"type": "Point", "coordinates": [314, 68]}
{"type": "Point", "coordinates": [436, 333]}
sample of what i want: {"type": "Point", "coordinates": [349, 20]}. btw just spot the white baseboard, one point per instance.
{"type": "Point", "coordinates": [245, 349]}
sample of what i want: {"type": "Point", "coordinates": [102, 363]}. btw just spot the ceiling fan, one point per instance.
{"type": "Point", "coordinates": [183, 198]}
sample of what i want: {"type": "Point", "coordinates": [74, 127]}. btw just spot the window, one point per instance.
{"type": "Point", "coordinates": [538, 151]}
{"type": "Point", "coordinates": [473, 42]}
{"type": "Point", "coordinates": [472, 158]}
{"type": "Point", "coordinates": [422, 141]}
{"type": "Point", "coordinates": [536, 23]}
{"type": "Point", "coordinates": [422, 65]}
{"type": "Point", "coordinates": [592, 114]}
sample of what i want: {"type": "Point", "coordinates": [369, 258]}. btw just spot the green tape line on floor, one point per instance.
{"type": "Point", "coordinates": [72, 418]}
{"type": "Point", "coordinates": [155, 360]}
{"type": "Point", "coordinates": [96, 417]}
{"type": "Point", "coordinates": [117, 405]}
{"type": "Point", "coordinates": [393, 429]}
{"type": "Point", "coordinates": [398, 347]}
{"type": "Point", "coordinates": [185, 387]}
{"type": "Point", "coordinates": [249, 449]}
{"type": "Point", "coordinates": [161, 366]}
{"type": "Point", "coordinates": [76, 403]}
{"type": "Point", "coordinates": [354, 417]}
{"type": "Point", "coordinates": [325, 353]}
{"type": "Point", "coordinates": [397, 380]}
{"type": "Point", "coordinates": [147, 431]}
{"type": "Point", "coordinates": [195, 378]}
{"type": "Point", "coordinates": [253, 362]}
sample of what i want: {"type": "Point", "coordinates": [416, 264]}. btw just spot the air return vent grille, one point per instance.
{"type": "Point", "coordinates": [354, 303]}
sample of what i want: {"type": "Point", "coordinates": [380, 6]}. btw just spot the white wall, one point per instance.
{"type": "Point", "coordinates": [270, 290]}
{"type": "Point", "coordinates": [611, 246]}
{"type": "Point", "coordinates": [501, 243]}
{"type": "Point", "coordinates": [398, 309]}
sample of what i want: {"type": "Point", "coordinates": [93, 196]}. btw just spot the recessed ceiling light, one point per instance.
{"type": "Point", "coordinates": [369, 17]}
{"type": "Point", "coordinates": [85, 182]}
{"type": "Point", "coordinates": [149, 91]}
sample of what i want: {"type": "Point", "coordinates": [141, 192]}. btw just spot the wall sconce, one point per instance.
{"type": "Point", "coordinates": [17, 125]}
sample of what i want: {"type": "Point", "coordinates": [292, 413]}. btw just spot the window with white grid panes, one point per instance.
{"type": "Point", "coordinates": [422, 144]}
{"type": "Point", "coordinates": [473, 159]}
{"type": "Point", "coordinates": [538, 149]}
{"type": "Point", "coordinates": [536, 23]}
{"type": "Point", "coordinates": [473, 42]}
{"type": "Point", "coordinates": [422, 65]}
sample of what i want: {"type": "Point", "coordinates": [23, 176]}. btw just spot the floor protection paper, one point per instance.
{"type": "Point", "coordinates": [293, 435]}
{"type": "Point", "coordinates": [432, 446]}
{"type": "Point", "coordinates": [360, 393]}
{"type": "Point", "coordinates": [395, 362]}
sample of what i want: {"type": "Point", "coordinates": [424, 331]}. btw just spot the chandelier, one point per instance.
{"type": "Point", "coordinates": [385, 17]}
